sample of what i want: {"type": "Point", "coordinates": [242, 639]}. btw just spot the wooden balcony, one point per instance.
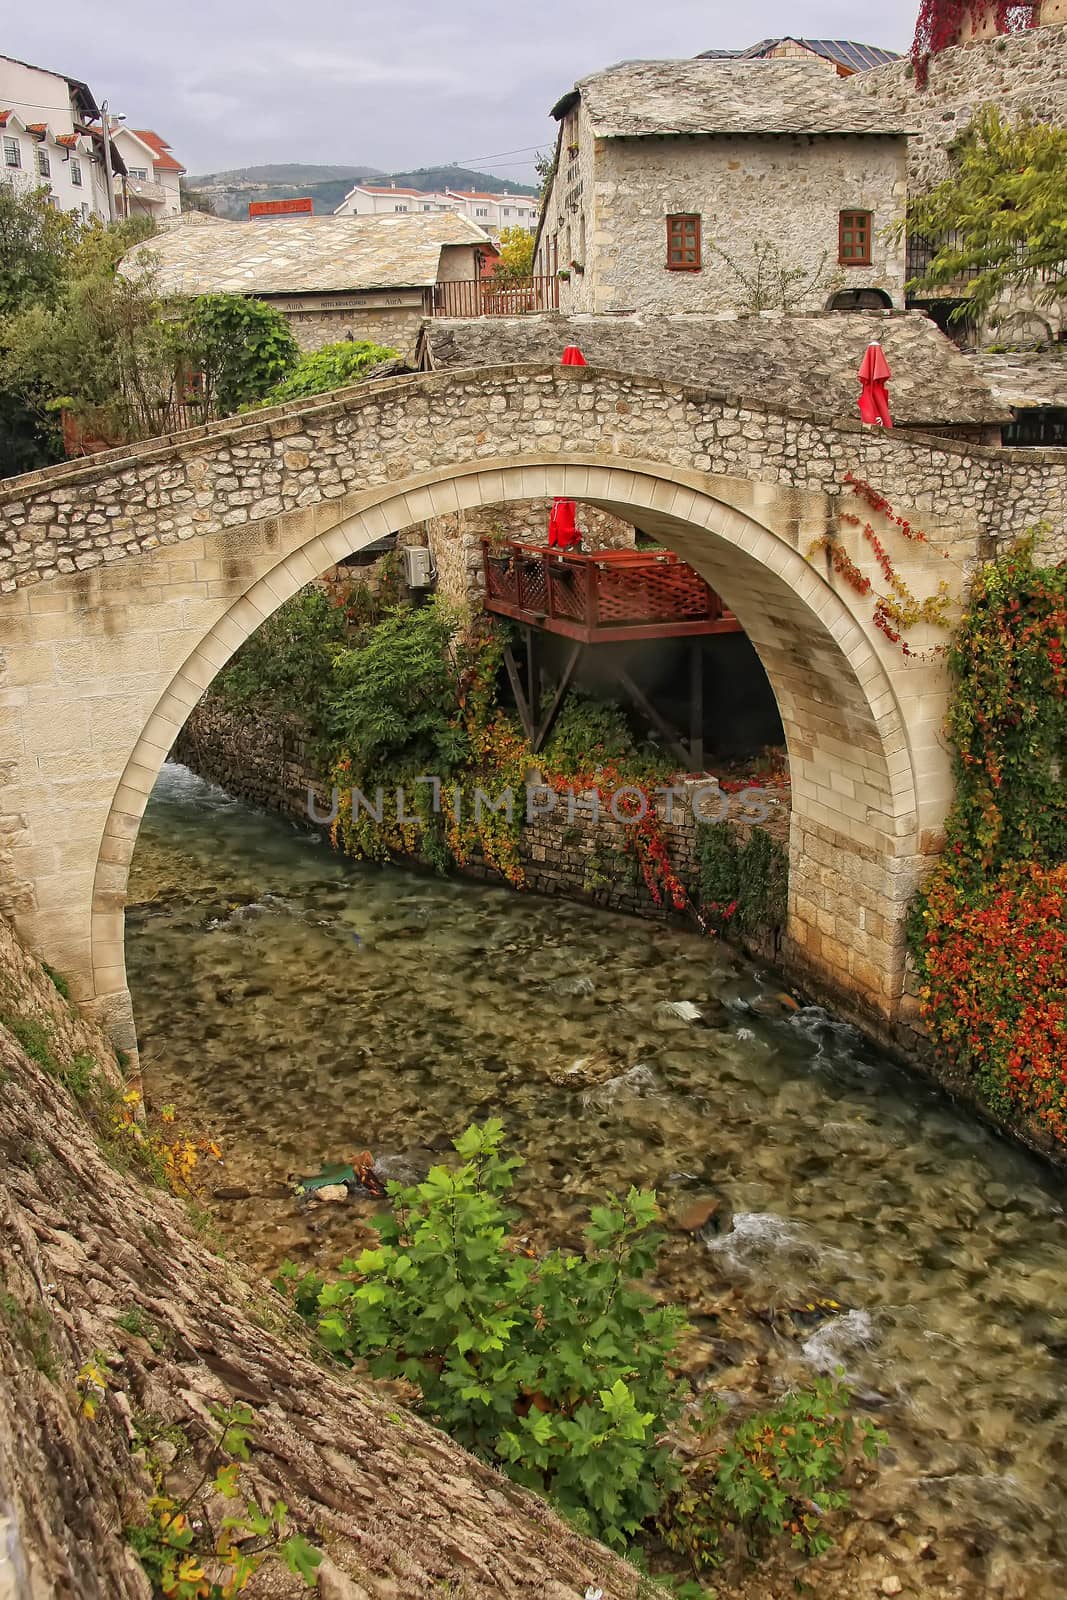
{"type": "Point", "coordinates": [601, 596]}
{"type": "Point", "coordinates": [484, 297]}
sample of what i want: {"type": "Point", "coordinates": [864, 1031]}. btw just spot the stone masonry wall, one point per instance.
{"type": "Point", "coordinates": [85, 514]}
{"type": "Point", "coordinates": [267, 763]}
{"type": "Point", "coordinates": [394, 327]}
{"type": "Point", "coordinates": [1021, 74]}
{"type": "Point", "coordinates": [789, 191]}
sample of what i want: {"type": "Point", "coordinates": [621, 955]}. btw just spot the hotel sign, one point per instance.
{"type": "Point", "coordinates": [357, 300]}
{"type": "Point", "coordinates": [281, 208]}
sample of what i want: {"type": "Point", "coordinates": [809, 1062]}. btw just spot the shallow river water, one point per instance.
{"type": "Point", "coordinates": [300, 1008]}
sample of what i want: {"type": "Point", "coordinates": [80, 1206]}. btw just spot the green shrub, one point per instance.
{"type": "Point", "coordinates": [242, 347]}
{"type": "Point", "coordinates": [556, 1368]}
{"type": "Point", "coordinates": [559, 1368]}
{"type": "Point", "coordinates": [394, 706]}
{"type": "Point", "coordinates": [587, 734]}
{"type": "Point", "coordinates": [776, 1474]}
{"type": "Point", "coordinates": [334, 366]}
{"type": "Point", "coordinates": [287, 664]}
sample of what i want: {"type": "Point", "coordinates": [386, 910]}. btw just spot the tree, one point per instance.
{"type": "Point", "coordinates": [515, 261]}
{"type": "Point", "coordinates": [36, 243]}
{"type": "Point", "coordinates": [768, 283]}
{"type": "Point", "coordinates": [241, 347]}
{"type": "Point", "coordinates": [1000, 221]}
{"type": "Point", "coordinates": [100, 348]}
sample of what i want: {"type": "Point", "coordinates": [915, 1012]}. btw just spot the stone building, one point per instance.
{"type": "Point", "coordinates": [842, 57]}
{"type": "Point", "coordinates": [333, 277]}
{"type": "Point", "coordinates": [673, 178]}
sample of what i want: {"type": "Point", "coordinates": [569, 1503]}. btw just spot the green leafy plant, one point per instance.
{"type": "Point", "coordinates": [554, 1367]}
{"type": "Point", "coordinates": [241, 348]}
{"type": "Point", "coordinates": [559, 1368]}
{"type": "Point", "coordinates": [989, 928]}
{"type": "Point", "coordinates": [742, 884]}
{"type": "Point", "coordinates": [998, 222]}
{"type": "Point", "coordinates": [186, 1558]}
{"type": "Point", "coordinates": [778, 1473]}
{"type": "Point", "coordinates": [333, 366]}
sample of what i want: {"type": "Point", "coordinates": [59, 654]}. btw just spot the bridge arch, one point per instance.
{"type": "Point", "coordinates": [855, 844]}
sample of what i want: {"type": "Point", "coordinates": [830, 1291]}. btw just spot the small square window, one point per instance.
{"type": "Point", "coordinates": [683, 243]}
{"type": "Point", "coordinates": [854, 238]}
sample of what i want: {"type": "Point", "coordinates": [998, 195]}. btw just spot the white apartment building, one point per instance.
{"type": "Point", "coordinates": [490, 212]}
{"type": "Point", "coordinates": [150, 186]}
{"type": "Point", "coordinates": [493, 212]}
{"type": "Point", "coordinates": [51, 137]}
{"type": "Point", "coordinates": [47, 140]}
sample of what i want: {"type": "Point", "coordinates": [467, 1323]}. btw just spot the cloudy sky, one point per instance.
{"type": "Point", "coordinates": [403, 84]}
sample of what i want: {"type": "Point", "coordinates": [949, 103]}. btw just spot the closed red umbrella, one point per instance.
{"type": "Point", "coordinates": [563, 531]}
{"type": "Point", "coordinates": [874, 374]}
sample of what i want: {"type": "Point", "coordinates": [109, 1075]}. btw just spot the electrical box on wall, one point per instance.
{"type": "Point", "coordinates": [418, 567]}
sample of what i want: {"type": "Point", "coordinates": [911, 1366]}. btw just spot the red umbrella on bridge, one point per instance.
{"type": "Point", "coordinates": [563, 530]}
{"type": "Point", "coordinates": [874, 374]}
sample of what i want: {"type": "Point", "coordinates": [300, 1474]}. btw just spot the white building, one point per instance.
{"type": "Point", "coordinates": [46, 137]}
{"type": "Point", "coordinates": [494, 212]}
{"type": "Point", "coordinates": [490, 212]}
{"type": "Point", "coordinates": [390, 199]}
{"type": "Point", "coordinates": [151, 183]}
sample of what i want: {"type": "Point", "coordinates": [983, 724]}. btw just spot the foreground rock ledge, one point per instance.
{"type": "Point", "coordinates": [400, 1510]}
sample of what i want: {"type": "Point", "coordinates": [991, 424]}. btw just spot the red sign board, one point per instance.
{"type": "Point", "coordinates": [280, 208]}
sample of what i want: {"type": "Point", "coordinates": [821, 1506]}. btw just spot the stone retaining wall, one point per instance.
{"type": "Point", "coordinates": [1023, 74]}
{"type": "Point", "coordinates": [268, 763]}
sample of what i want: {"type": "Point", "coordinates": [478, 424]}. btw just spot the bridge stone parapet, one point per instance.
{"type": "Point", "coordinates": [128, 580]}
{"type": "Point", "coordinates": [78, 516]}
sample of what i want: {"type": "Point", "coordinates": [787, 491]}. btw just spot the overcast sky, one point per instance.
{"type": "Point", "coordinates": [403, 84]}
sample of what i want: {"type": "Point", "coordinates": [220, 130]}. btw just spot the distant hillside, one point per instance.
{"type": "Point", "coordinates": [230, 192]}
{"type": "Point", "coordinates": [459, 178]}
{"type": "Point", "coordinates": [282, 172]}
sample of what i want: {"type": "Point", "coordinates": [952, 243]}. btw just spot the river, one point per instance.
{"type": "Point", "coordinates": [301, 1008]}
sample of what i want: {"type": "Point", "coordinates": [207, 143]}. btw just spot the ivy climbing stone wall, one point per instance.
{"type": "Point", "coordinates": [267, 762]}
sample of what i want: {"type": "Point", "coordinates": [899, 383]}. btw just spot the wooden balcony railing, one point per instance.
{"type": "Point", "coordinates": [484, 297]}
{"type": "Point", "coordinates": [603, 595]}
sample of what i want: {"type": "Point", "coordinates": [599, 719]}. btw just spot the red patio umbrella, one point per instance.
{"type": "Point", "coordinates": [563, 530]}
{"type": "Point", "coordinates": [874, 374]}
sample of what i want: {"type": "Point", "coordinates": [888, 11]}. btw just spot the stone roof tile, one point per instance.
{"type": "Point", "coordinates": [301, 255]}
{"type": "Point", "coordinates": [802, 363]}
{"type": "Point", "coordinates": [640, 99]}
{"type": "Point", "coordinates": [1026, 378]}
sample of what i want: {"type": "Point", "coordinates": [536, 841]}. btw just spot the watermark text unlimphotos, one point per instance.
{"type": "Point", "coordinates": [628, 805]}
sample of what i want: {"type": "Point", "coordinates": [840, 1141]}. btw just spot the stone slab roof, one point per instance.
{"type": "Point", "coordinates": [803, 363]}
{"type": "Point", "coordinates": [302, 255]}
{"type": "Point", "coordinates": [1026, 378]}
{"type": "Point", "coordinates": [641, 99]}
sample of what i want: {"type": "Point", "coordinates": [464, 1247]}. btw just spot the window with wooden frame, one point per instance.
{"type": "Point", "coordinates": [854, 238]}
{"type": "Point", "coordinates": [683, 243]}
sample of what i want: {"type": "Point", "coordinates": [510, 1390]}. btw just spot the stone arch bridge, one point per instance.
{"type": "Point", "coordinates": [127, 580]}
